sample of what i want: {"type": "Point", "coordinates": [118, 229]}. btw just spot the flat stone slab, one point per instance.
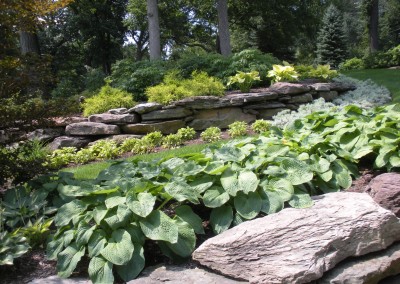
{"type": "Point", "coordinates": [145, 108]}
{"type": "Point", "coordinates": [166, 127]}
{"type": "Point", "coordinates": [299, 245]}
{"type": "Point", "coordinates": [118, 119]}
{"type": "Point", "coordinates": [45, 134]}
{"type": "Point", "coordinates": [120, 110]}
{"type": "Point", "coordinates": [167, 114]}
{"type": "Point", "coordinates": [69, 141]}
{"type": "Point", "coordinates": [301, 99]}
{"type": "Point", "coordinates": [91, 128]}
{"type": "Point", "coordinates": [64, 121]}
{"type": "Point", "coordinates": [285, 88]}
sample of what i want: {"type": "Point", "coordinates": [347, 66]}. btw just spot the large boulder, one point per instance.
{"type": "Point", "coordinates": [91, 128]}
{"type": "Point", "coordinates": [120, 110]}
{"type": "Point", "coordinates": [145, 108]}
{"type": "Point", "coordinates": [166, 127]}
{"type": "Point", "coordinates": [385, 190]}
{"type": "Point", "coordinates": [64, 121]}
{"type": "Point", "coordinates": [45, 134]}
{"type": "Point", "coordinates": [284, 88]}
{"type": "Point", "coordinates": [299, 245]}
{"type": "Point", "coordinates": [301, 99]}
{"type": "Point", "coordinates": [219, 117]}
{"type": "Point", "coordinates": [167, 114]}
{"type": "Point", "coordinates": [69, 141]}
{"type": "Point", "coordinates": [118, 119]}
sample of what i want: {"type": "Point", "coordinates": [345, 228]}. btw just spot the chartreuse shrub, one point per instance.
{"type": "Point", "coordinates": [237, 129]}
{"type": "Point", "coordinates": [107, 98]}
{"type": "Point", "coordinates": [244, 80]}
{"type": "Point", "coordinates": [211, 134]}
{"type": "Point", "coordinates": [186, 133]}
{"type": "Point", "coordinates": [352, 64]}
{"type": "Point", "coordinates": [321, 72]}
{"type": "Point", "coordinates": [172, 141]}
{"type": "Point", "coordinates": [284, 72]}
{"type": "Point", "coordinates": [260, 126]}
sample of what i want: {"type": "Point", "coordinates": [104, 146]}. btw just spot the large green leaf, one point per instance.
{"type": "Point", "coordinates": [271, 202]}
{"type": "Point", "coordinates": [301, 199]}
{"type": "Point", "coordinates": [215, 197]}
{"type": "Point", "coordinates": [158, 226]}
{"type": "Point", "coordinates": [186, 239]}
{"type": "Point", "coordinates": [181, 191]}
{"type": "Point", "coordinates": [119, 249]}
{"type": "Point", "coordinates": [202, 184]}
{"type": "Point", "coordinates": [99, 213]}
{"type": "Point", "coordinates": [297, 172]}
{"type": "Point", "coordinates": [216, 168]}
{"type": "Point", "coordinates": [114, 201]}
{"type": "Point", "coordinates": [248, 181]}
{"type": "Point", "coordinates": [186, 213]}
{"type": "Point", "coordinates": [96, 243]}
{"type": "Point", "coordinates": [131, 270]}
{"type": "Point", "coordinates": [282, 187]}
{"type": "Point", "coordinates": [230, 182]}
{"type": "Point", "coordinates": [100, 271]}
{"type": "Point", "coordinates": [229, 154]}
{"type": "Point", "coordinates": [342, 175]}
{"type": "Point", "coordinates": [248, 205]}
{"type": "Point", "coordinates": [118, 217]}
{"type": "Point", "coordinates": [68, 211]}
{"type": "Point", "coordinates": [142, 204]}
{"type": "Point", "coordinates": [84, 233]}
{"type": "Point", "coordinates": [136, 233]}
{"type": "Point", "coordinates": [68, 259]}
{"type": "Point", "coordinates": [221, 218]}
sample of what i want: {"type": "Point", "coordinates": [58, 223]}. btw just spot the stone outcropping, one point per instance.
{"type": "Point", "coordinates": [300, 245]}
{"type": "Point", "coordinates": [91, 128]}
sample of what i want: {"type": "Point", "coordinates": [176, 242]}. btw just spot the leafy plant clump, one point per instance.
{"type": "Point", "coordinates": [172, 141]}
{"type": "Point", "coordinates": [237, 129]}
{"type": "Point", "coordinates": [244, 80]}
{"type": "Point", "coordinates": [12, 245]}
{"type": "Point", "coordinates": [352, 64]}
{"type": "Point", "coordinates": [261, 126]}
{"type": "Point", "coordinates": [211, 134]}
{"type": "Point", "coordinates": [107, 98]}
{"type": "Point", "coordinates": [284, 72]}
{"type": "Point", "coordinates": [187, 133]}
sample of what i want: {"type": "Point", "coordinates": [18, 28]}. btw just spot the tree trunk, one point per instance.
{"type": "Point", "coordinates": [223, 27]}
{"type": "Point", "coordinates": [374, 26]}
{"type": "Point", "coordinates": [154, 30]}
{"type": "Point", "coordinates": [29, 42]}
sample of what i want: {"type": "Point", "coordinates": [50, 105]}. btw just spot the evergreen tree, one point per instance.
{"type": "Point", "coordinates": [332, 44]}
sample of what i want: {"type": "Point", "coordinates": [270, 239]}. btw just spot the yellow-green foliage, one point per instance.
{"type": "Point", "coordinates": [106, 99]}
{"type": "Point", "coordinates": [175, 88]}
{"type": "Point", "coordinates": [280, 73]}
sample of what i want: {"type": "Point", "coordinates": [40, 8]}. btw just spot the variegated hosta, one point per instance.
{"type": "Point", "coordinates": [110, 218]}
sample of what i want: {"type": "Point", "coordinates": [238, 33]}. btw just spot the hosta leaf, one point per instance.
{"type": "Point", "coordinates": [283, 188]}
{"type": "Point", "coordinates": [271, 202]}
{"type": "Point", "coordinates": [181, 191]}
{"type": "Point", "coordinates": [136, 233]}
{"type": "Point", "coordinates": [221, 218]}
{"type": "Point", "coordinates": [68, 211]}
{"type": "Point", "coordinates": [215, 168]}
{"type": "Point", "coordinates": [132, 269]}
{"type": "Point", "coordinates": [363, 151]}
{"type": "Point", "coordinates": [114, 201]}
{"type": "Point", "coordinates": [248, 205]}
{"type": "Point", "coordinates": [230, 182]}
{"type": "Point", "coordinates": [215, 197]}
{"type": "Point", "coordinates": [100, 270]}
{"type": "Point", "coordinates": [189, 168]}
{"type": "Point", "coordinates": [201, 184]}
{"type": "Point", "coordinates": [395, 161]}
{"type": "Point", "coordinates": [119, 249]}
{"type": "Point", "coordinates": [186, 240]}
{"type": "Point", "coordinates": [326, 176]}
{"type": "Point", "coordinates": [342, 176]}
{"type": "Point", "coordinates": [297, 172]}
{"type": "Point", "coordinates": [99, 213]}
{"type": "Point", "coordinates": [54, 248]}
{"type": "Point", "coordinates": [301, 199]}
{"type": "Point", "coordinates": [186, 213]}
{"type": "Point", "coordinates": [172, 164]}
{"type": "Point", "coordinates": [229, 154]}
{"type": "Point", "coordinates": [142, 204]}
{"type": "Point", "coordinates": [248, 181]}
{"type": "Point", "coordinates": [68, 259]}
{"type": "Point", "coordinates": [237, 219]}
{"type": "Point", "coordinates": [118, 217]}
{"type": "Point", "coordinates": [319, 164]}
{"type": "Point", "coordinates": [158, 226]}
{"type": "Point", "coordinates": [96, 243]}
{"type": "Point", "coordinates": [84, 233]}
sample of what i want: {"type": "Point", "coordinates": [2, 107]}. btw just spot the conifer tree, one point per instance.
{"type": "Point", "coordinates": [332, 44]}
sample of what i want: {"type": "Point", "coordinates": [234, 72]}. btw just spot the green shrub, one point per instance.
{"type": "Point", "coordinates": [105, 149]}
{"type": "Point", "coordinates": [261, 126]}
{"type": "Point", "coordinates": [94, 79]}
{"type": "Point", "coordinates": [395, 56]}
{"type": "Point", "coordinates": [237, 129]}
{"type": "Point", "coordinates": [323, 73]}
{"type": "Point", "coordinates": [352, 64]}
{"type": "Point", "coordinates": [12, 245]}
{"type": "Point", "coordinates": [211, 134]}
{"type": "Point", "coordinates": [37, 233]}
{"type": "Point", "coordinates": [203, 85]}
{"type": "Point", "coordinates": [280, 73]}
{"type": "Point", "coordinates": [172, 141]}
{"type": "Point", "coordinates": [83, 156]}
{"type": "Point", "coordinates": [107, 98]}
{"type": "Point", "coordinates": [154, 138]}
{"type": "Point", "coordinates": [129, 145]}
{"type": "Point", "coordinates": [244, 80]}
{"type": "Point", "coordinates": [61, 157]}
{"type": "Point", "coordinates": [186, 133]}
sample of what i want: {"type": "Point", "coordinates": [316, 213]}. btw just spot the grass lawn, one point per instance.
{"type": "Point", "coordinates": [91, 171]}
{"type": "Point", "coordinates": [390, 78]}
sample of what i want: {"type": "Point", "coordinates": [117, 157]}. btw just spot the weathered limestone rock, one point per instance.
{"type": "Point", "coordinates": [385, 190]}
{"type": "Point", "coordinates": [301, 99]}
{"type": "Point", "coordinates": [268, 113]}
{"type": "Point", "coordinates": [325, 87]}
{"type": "Point", "coordinates": [166, 127]}
{"type": "Point", "coordinates": [69, 141]}
{"type": "Point", "coordinates": [121, 110]}
{"type": "Point", "coordinates": [46, 134]}
{"type": "Point", "coordinates": [266, 106]}
{"type": "Point", "coordinates": [91, 128]}
{"type": "Point", "coordinates": [145, 108]}
{"type": "Point", "coordinates": [200, 102]}
{"type": "Point", "coordinates": [167, 114]}
{"type": "Point", "coordinates": [118, 119]}
{"type": "Point", "coordinates": [341, 87]}
{"type": "Point", "coordinates": [328, 96]}
{"type": "Point", "coordinates": [285, 88]}
{"type": "Point", "coordinates": [367, 269]}
{"type": "Point", "coordinates": [174, 274]}
{"type": "Point", "coordinates": [64, 121]}
{"type": "Point", "coordinates": [219, 117]}
{"type": "Point", "coordinates": [299, 245]}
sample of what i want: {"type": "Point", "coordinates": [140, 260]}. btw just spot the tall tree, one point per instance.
{"type": "Point", "coordinates": [373, 24]}
{"type": "Point", "coordinates": [136, 22]}
{"type": "Point", "coordinates": [223, 27]}
{"type": "Point", "coordinates": [154, 30]}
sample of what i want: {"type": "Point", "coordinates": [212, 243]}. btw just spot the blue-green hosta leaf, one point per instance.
{"type": "Point", "coordinates": [271, 202]}
{"type": "Point", "coordinates": [142, 204]}
{"type": "Point", "coordinates": [99, 213]}
{"type": "Point", "coordinates": [84, 233]}
{"type": "Point", "coordinates": [215, 197]}
{"type": "Point", "coordinates": [68, 211]}
{"type": "Point", "coordinates": [230, 182]}
{"type": "Point", "coordinates": [172, 164]}
{"type": "Point", "coordinates": [248, 205]}
{"type": "Point", "coordinates": [68, 259]}
{"type": "Point", "coordinates": [132, 269]}
{"type": "Point", "coordinates": [229, 154]}
{"type": "Point", "coordinates": [149, 170]}
{"type": "Point", "coordinates": [237, 219]}
{"type": "Point", "coordinates": [186, 213]}
{"type": "Point", "coordinates": [384, 155]}
{"type": "Point", "coordinates": [319, 164]}
{"type": "Point", "coordinates": [54, 247]}
{"type": "Point", "coordinates": [158, 226]}
{"type": "Point", "coordinates": [395, 161]}
{"type": "Point", "coordinates": [342, 176]}
{"type": "Point", "coordinates": [186, 239]}
{"type": "Point", "coordinates": [248, 181]}
{"type": "Point", "coordinates": [215, 168]}
{"type": "Point", "coordinates": [301, 199]}
{"type": "Point", "coordinates": [358, 153]}
{"type": "Point", "coordinates": [349, 139]}
{"type": "Point", "coordinates": [202, 184]}
{"type": "Point", "coordinates": [119, 249]}
{"type": "Point", "coordinates": [114, 201]}
{"type": "Point", "coordinates": [221, 218]}
{"type": "Point", "coordinates": [71, 190]}
{"type": "Point", "coordinates": [100, 270]}
{"type": "Point", "coordinates": [326, 176]}
{"type": "Point", "coordinates": [118, 217]}
{"type": "Point", "coordinates": [96, 243]}
{"type": "Point", "coordinates": [136, 233]}
{"type": "Point", "coordinates": [189, 168]}
{"type": "Point", "coordinates": [283, 188]}
{"type": "Point", "coordinates": [297, 172]}
{"type": "Point", "coordinates": [181, 191]}
{"type": "Point", "coordinates": [276, 150]}
{"type": "Point", "coordinates": [303, 157]}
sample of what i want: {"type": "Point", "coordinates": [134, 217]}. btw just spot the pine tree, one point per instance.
{"type": "Point", "coordinates": [332, 43]}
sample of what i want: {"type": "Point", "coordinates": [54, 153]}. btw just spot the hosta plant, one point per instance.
{"type": "Point", "coordinates": [211, 134]}
{"type": "Point", "coordinates": [172, 141]}
{"type": "Point", "coordinates": [186, 133]}
{"type": "Point", "coordinates": [12, 245]}
{"type": "Point", "coordinates": [153, 138]}
{"type": "Point", "coordinates": [244, 80]}
{"type": "Point", "coordinates": [280, 73]}
{"type": "Point", "coordinates": [237, 129]}
{"type": "Point", "coordinates": [260, 126]}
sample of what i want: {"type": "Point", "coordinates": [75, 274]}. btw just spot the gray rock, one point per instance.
{"type": "Point", "coordinates": [328, 96]}
{"type": "Point", "coordinates": [266, 106]}
{"type": "Point", "coordinates": [121, 110]}
{"type": "Point", "coordinates": [325, 87]}
{"type": "Point", "coordinates": [145, 108]}
{"type": "Point", "coordinates": [385, 190]}
{"type": "Point", "coordinates": [46, 134]}
{"type": "Point", "coordinates": [219, 117]}
{"type": "Point", "coordinates": [341, 87]}
{"type": "Point", "coordinates": [64, 121]}
{"type": "Point", "coordinates": [91, 128]}
{"type": "Point", "coordinates": [174, 274]}
{"type": "Point", "coordinates": [285, 88]}
{"type": "Point", "coordinates": [167, 114]}
{"type": "Point", "coordinates": [69, 141]}
{"type": "Point", "coordinates": [200, 102]}
{"type": "Point", "coordinates": [58, 280]}
{"type": "Point", "coordinates": [301, 99]}
{"type": "Point", "coordinates": [118, 119]}
{"type": "Point", "coordinates": [370, 268]}
{"type": "Point", "coordinates": [166, 127]}
{"type": "Point", "coordinates": [269, 113]}
{"type": "Point", "coordinates": [299, 245]}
